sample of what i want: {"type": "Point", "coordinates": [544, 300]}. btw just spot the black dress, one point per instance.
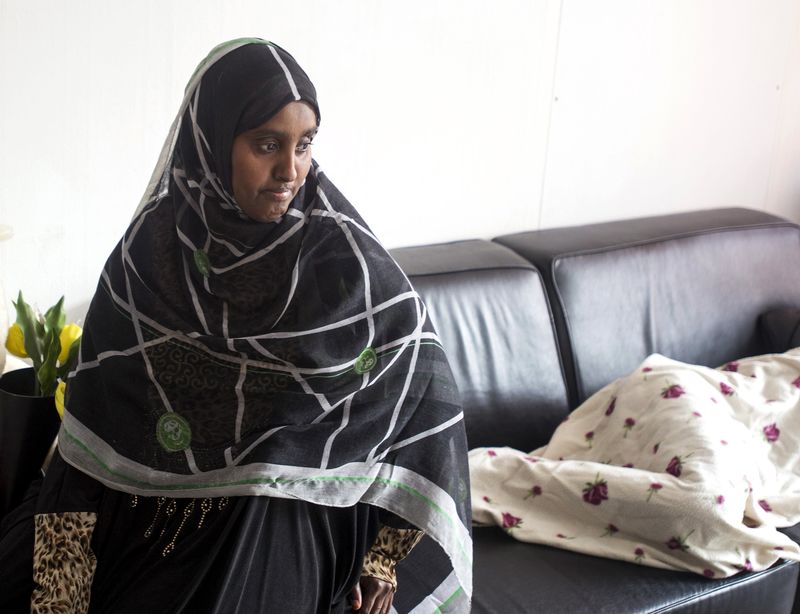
{"type": "Point", "coordinates": [240, 554]}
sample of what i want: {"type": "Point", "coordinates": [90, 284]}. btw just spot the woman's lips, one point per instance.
{"type": "Point", "coordinates": [278, 195]}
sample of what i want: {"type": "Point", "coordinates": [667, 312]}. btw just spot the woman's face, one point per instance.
{"type": "Point", "coordinates": [271, 162]}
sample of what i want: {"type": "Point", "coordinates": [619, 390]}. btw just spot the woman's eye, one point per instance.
{"type": "Point", "coordinates": [269, 146]}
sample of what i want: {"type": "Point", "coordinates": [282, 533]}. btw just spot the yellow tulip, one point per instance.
{"type": "Point", "coordinates": [68, 335]}
{"type": "Point", "coordinates": [15, 341]}
{"type": "Point", "coordinates": [60, 389]}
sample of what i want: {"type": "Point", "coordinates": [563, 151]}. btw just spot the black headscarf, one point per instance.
{"type": "Point", "coordinates": [241, 91]}
{"type": "Point", "coordinates": [223, 356]}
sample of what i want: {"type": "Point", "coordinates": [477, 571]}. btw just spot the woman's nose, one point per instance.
{"type": "Point", "coordinates": [285, 169]}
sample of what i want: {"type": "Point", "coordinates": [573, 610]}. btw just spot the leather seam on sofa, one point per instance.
{"type": "Point", "coordinates": [673, 237]}
{"type": "Point", "coordinates": [473, 270]}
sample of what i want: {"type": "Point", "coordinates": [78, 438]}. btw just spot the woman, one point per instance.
{"type": "Point", "coordinates": [262, 416]}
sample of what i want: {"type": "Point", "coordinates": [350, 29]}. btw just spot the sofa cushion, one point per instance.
{"type": "Point", "coordinates": [561, 581]}
{"type": "Point", "coordinates": [515, 577]}
{"type": "Point", "coordinates": [690, 286]}
{"type": "Point", "coordinates": [489, 308]}
{"type": "Point", "coordinates": [781, 329]}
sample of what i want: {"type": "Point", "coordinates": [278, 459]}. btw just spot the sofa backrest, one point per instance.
{"type": "Point", "coordinates": [490, 310]}
{"type": "Point", "coordinates": [690, 286]}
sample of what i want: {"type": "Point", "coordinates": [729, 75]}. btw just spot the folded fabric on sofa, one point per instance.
{"type": "Point", "coordinates": [675, 466]}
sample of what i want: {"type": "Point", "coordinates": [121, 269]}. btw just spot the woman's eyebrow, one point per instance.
{"type": "Point", "coordinates": [262, 132]}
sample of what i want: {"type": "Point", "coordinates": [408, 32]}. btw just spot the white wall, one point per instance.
{"type": "Point", "coordinates": [670, 106]}
{"type": "Point", "coordinates": [442, 119]}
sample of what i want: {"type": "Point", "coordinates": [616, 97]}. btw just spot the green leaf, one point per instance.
{"type": "Point", "coordinates": [55, 317]}
{"type": "Point", "coordinates": [46, 374]}
{"type": "Point", "coordinates": [28, 323]}
{"type": "Point", "coordinates": [72, 359]}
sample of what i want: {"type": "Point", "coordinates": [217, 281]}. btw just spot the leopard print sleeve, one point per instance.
{"type": "Point", "coordinates": [63, 562]}
{"type": "Point", "coordinates": [391, 546]}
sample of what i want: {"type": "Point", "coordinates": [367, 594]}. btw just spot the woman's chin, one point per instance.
{"type": "Point", "coordinates": [272, 213]}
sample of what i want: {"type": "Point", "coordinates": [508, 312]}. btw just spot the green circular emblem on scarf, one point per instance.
{"type": "Point", "coordinates": [173, 432]}
{"type": "Point", "coordinates": [202, 263]}
{"type": "Point", "coordinates": [365, 361]}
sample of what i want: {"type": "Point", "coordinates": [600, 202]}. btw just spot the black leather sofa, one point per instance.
{"type": "Point", "coordinates": [536, 322]}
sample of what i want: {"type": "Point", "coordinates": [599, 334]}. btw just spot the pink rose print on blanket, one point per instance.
{"type": "Point", "coordinates": [748, 566]}
{"type": "Point", "coordinates": [589, 437]}
{"type": "Point", "coordinates": [629, 424]}
{"type": "Point", "coordinates": [535, 492]}
{"type": "Point", "coordinates": [772, 432]}
{"type": "Point", "coordinates": [765, 505]}
{"type": "Point", "coordinates": [487, 499]}
{"type": "Point", "coordinates": [510, 521]}
{"type": "Point", "coordinates": [596, 492]}
{"type": "Point", "coordinates": [654, 488]}
{"type": "Point", "coordinates": [725, 389]}
{"type": "Point", "coordinates": [611, 406]}
{"type": "Point", "coordinates": [708, 573]}
{"type": "Point", "coordinates": [720, 499]}
{"type": "Point", "coordinates": [796, 383]}
{"type": "Point", "coordinates": [610, 530]}
{"type": "Point", "coordinates": [647, 369]}
{"type": "Point", "coordinates": [675, 391]}
{"type": "Point", "coordinates": [638, 555]}
{"type": "Point", "coordinates": [732, 366]}
{"type": "Point", "coordinates": [491, 453]}
{"type": "Point", "coordinates": [675, 466]}
{"type": "Point", "coordinates": [678, 542]}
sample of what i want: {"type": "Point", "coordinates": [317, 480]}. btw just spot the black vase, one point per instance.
{"type": "Point", "coordinates": [28, 425]}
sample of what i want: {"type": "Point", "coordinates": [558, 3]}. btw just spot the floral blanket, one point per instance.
{"type": "Point", "coordinates": [674, 466]}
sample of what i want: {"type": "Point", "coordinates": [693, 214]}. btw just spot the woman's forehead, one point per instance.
{"type": "Point", "coordinates": [294, 119]}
